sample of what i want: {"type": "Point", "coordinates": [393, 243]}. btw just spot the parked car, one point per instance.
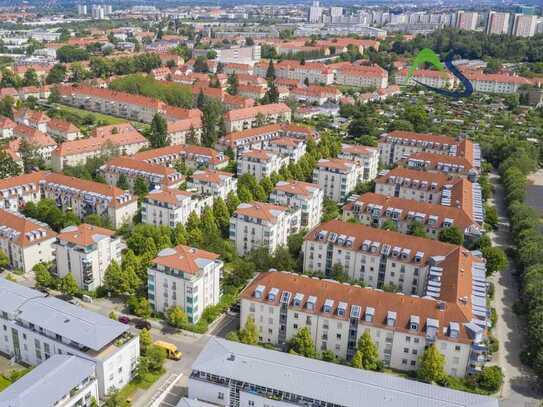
{"type": "Point", "coordinates": [124, 319]}
{"type": "Point", "coordinates": [142, 324]}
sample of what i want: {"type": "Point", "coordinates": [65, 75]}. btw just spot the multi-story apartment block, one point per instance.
{"type": "Point", "coordinates": [169, 207]}
{"type": "Point", "coordinates": [260, 163]}
{"type": "Point", "coordinates": [15, 192]}
{"type": "Point", "coordinates": [193, 156]}
{"type": "Point", "coordinates": [88, 197]}
{"type": "Point", "coordinates": [38, 326]}
{"type": "Point", "coordinates": [185, 277]}
{"type": "Point", "coordinates": [259, 138]}
{"type": "Point", "coordinates": [31, 118]}
{"type": "Point", "coordinates": [213, 182]}
{"type": "Point", "coordinates": [337, 177]}
{"type": "Point", "coordinates": [314, 72]}
{"type": "Point", "coordinates": [401, 326]}
{"type": "Point", "coordinates": [315, 94]}
{"type": "Point", "coordinates": [524, 25]}
{"type": "Point", "coordinates": [434, 188]}
{"type": "Point", "coordinates": [289, 147]}
{"type": "Point", "coordinates": [85, 252]}
{"type": "Point", "coordinates": [497, 23]}
{"type": "Point", "coordinates": [107, 140]}
{"type": "Point", "coordinates": [156, 176]}
{"type": "Point", "coordinates": [257, 116]}
{"type": "Point", "coordinates": [446, 164]}
{"type": "Point", "coordinates": [6, 127]}
{"type": "Point", "coordinates": [348, 74]}
{"type": "Point", "coordinates": [61, 130]}
{"type": "Point", "coordinates": [182, 131]}
{"type": "Point", "coordinates": [26, 242]}
{"type": "Point", "coordinates": [375, 209]}
{"type": "Point", "coordinates": [61, 380]}
{"type": "Point", "coordinates": [300, 195]}
{"type": "Point", "coordinates": [43, 144]}
{"type": "Point", "coordinates": [496, 83]}
{"type": "Point", "coordinates": [377, 257]}
{"type": "Point", "coordinates": [437, 79]}
{"type": "Point", "coordinates": [398, 145]}
{"type": "Point", "coordinates": [367, 157]}
{"type": "Point", "coordinates": [467, 20]}
{"type": "Point", "coordinates": [231, 374]}
{"type": "Point", "coordinates": [258, 224]}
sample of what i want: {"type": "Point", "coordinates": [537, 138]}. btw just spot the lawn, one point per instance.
{"type": "Point", "coordinates": [80, 115]}
{"type": "Point", "coordinates": [4, 383]}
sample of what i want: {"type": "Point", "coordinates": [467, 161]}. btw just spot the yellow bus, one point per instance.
{"type": "Point", "coordinates": [170, 348]}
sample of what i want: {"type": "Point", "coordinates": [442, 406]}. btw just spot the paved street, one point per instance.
{"type": "Point", "coordinates": [520, 388]}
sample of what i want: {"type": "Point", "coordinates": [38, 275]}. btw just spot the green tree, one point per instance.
{"type": "Point", "coordinates": [496, 259]}
{"type": "Point", "coordinates": [232, 202]}
{"type": "Point", "coordinates": [8, 167]}
{"type": "Point", "coordinates": [249, 333]}
{"type": "Point", "coordinates": [330, 210]}
{"type": "Point", "coordinates": [270, 72]}
{"type": "Point", "coordinates": [68, 285]}
{"type": "Point", "coordinates": [369, 351]}
{"type": "Point", "coordinates": [272, 94]}
{"type": "Point", "coordinates": [158, 136]}
{"type": "Point", "coordinates": [221, 215]}
{"type": "Point", "coordinates": [139, 306]}
{"type": "Point", "coordinates": [432, 365]}
{"type": "Point", "coordinates": [146, 341]}
{"type": "Point", "coordinates": [490, 378]}
{"type": "Point", "coordinates": [356, 361]}
{"type": "Point", "coordinates": [244, 194]}
{"type": "Point", "coordinates": [6, 106]}
{"type": "Point", "coordinates": [233, 84]}
{"type": "Point", "coordinates": [120, 282]}
{"type": "Point", "coordinates": [452, 235]}
{"type": "Point", "coordinates": [389, 225]}
{"type": "Point", "coordinates": [302, 344]}
{"type": "Point", "coordinates": [42, 275]}
{"type": "Point", "coordinates": [30, 78]}
{"type": "Point", "coordinates": [416, 228]}
{"type": "Point", "coordinates": [122, 182]}
{"type": "Point", "coordinates": [176, 317]}
{"type": "Point", "coordinates": [141, 187]}
{"type": "Point", "coordinates": [57, 74]}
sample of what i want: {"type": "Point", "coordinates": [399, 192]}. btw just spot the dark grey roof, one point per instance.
{"type": "Point", "coordinates": [185, 402]}
{"type": "Point", "coordinates": [87, 328]}
{"type": "Point", "coordinates": [324, 381]}
{"type": "Point", "coordinates": [48, 382]}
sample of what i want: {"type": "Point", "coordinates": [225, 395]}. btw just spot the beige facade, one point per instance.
{"type": "Point", "coordinates": [260, 163]}
{"type": "Point", "coordinates": [213, 182]}
{"type": "Point", "coordinates": [300, 195]}
{"type": "Point", "coordinates": [366, 157]}
{"type": "Point", "coordinates": [337, 177]}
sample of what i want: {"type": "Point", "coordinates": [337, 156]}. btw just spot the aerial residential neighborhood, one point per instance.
{"type": "Point", "coordinates": [271, 204]}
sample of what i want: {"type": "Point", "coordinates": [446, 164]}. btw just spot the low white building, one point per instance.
{"type": "Point", "coordinates": [86, 251]}
{"type": "Point", "coordinates": [60, 381]}
{"type": "Point", "coordinates": [231, 374]}
{"type": "Point", "coordinates": [42, 326]}
{"type": "Point", "coordinates": [337, 177]}
{"type": "Point", "coordinates": [289, 147]}
{"type": "Point", "coordinates": [6, 127]}
{"type": "Point", "coordinates": [213, 182]}
{"type": "Point", "coordinates": [26, 242]}
{"type": "Point", "coordinates": [170, 207]}
{"type": "Point", "coordinates": [367, 157]}
{"type": "Point", "coordinates": [260, 163]}
{"type": "Point", "coordinates": [185, 277]}
{"type": "Point", "coordinates": [300, 195]}
{"type": "Point", "coordinates": [258, 224]}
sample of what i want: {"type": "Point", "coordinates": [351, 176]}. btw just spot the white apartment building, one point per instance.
{"type": "Point", "coordinates": [314, 72]}
{"type": "Point", "coordinates": [497, 23]}
{"type": "Point", "coordinates": [524, 25]}
{"type": "Point", "coordinates": [260, 163]}
{"type": "Point", "coordinates": [345, 73]}
{"type": "Point", "coordinates": [338, 314]}
{"type": "Point", "coordinates": [156, 176]}
{"type": "Point", "coordinates": [231, 374]}
{"type": "Point", "coordinates": [300, 195]}
{"type": "Point", "coordinates": [86, 251]}
{"type": "Point", "coordinates": [497, 83]}
{"type": "Point", "coordinates": [6, 127]}
{"type": "Point", "coordinates": [16, 192]}
{"type": "Point", "coordinates": [246, 118]}
{"type": "Point", "coordinates": [437, 79]}
{"type": "Point", "coordinates": [194, 157]}
{"type": "Point", "coordinates": [36, 327]}
{"type": "Point", "coordinates": [380, 258]}
{"type": "Point", "coordinates": [43, 144]}
{"type": "Point", "coordinates": [289, 147]}
{"type": "Point", "coordinates": [374, 210]}
{"type": "Point", "coordinates": [185, 277]}
{"type": "Point", "coordinates": [258, 224]}
{"type": "Point", "coordinates": [170, 207]}
{"type": "Point", "coordinates": [456, 166]}
{"type": "Point", "coordinates": [467, 20]}
{"type": "Point", "coordinates": [213, 182]}
{"type": "Point", "coordinates": [367, 157]}
{"type": "Point", "coordinates": [61, 381]}
{"type": "Point", "coordinates": [26, 242]}
{"type": "Point", "coordinates": [337, 177]}
{"type": "Point", "coordinates": [63, 130]}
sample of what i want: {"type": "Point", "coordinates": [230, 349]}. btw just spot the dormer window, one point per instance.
{"type": "Point", "coordinates": [272, 295]}
{"type": "Point", "coordinates": [311, 302]}
{"type": "Point", "coordinates": [418, 257]}
{"type": "Point", "coordinates": [370, 313]}
{"type": "Point", "coordinates": [259, 292]}
{"type": "Point", "coordinates": [341, 309]}
{"type": "Point", "coordinates": [328, 306]}
{"type": "Point", "coordinates": [454, 329]}
{"type": "Point", "coordinates": [391, 318]}
{"type": "Point", "coordinates": [298, 298]}
{"type": "Point", "coordinates": [414, 322]}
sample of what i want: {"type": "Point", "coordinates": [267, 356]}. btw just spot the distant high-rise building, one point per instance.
{"type": "Point", "coordinates": [466, 20]}
{"type": "Point", "coordinates": [528, 10]}
{"type": "Point", "coordinates": [497, 23]}
{"type": "Point", "coordinates": [82, 9]}
{"type": "Point", "coordinates": [336, 12]}
{"type": "Point", "coordinates": [108, 9]}
{"type": "Point", "coordinates": [524, 25]}
{"type": "Point", "coordinates": [315, 12]}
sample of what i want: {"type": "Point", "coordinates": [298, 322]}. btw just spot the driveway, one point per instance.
{"type": "Point", "coordinates": [520, 388]}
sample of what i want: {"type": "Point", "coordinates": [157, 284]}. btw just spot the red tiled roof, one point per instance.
{"type": "Point", "coordinates": [337, 163]}
{"type": "Point", "coordinates": [427, 137]}
{"type": "Point", "coordinates": [296, 187]}
{"type": "Point", "coordinates": [25, 227]}
{"type": "Point", "coordinates": [211, 176]}
{"type": "Point", "coordinates": [252, 112]}
{"type": "Point", "coordinates": [34, 136]}
{"type": "Point", "coordinates": [184, 258]}
{"type": "Point", "coordinates": [84, 234]}
{"type": "Point", "coordinates": [261, 210]}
